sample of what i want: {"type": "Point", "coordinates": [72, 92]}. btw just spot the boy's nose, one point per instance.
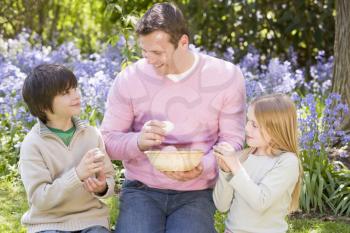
{"type": "Point", "coordinates": [77, 94]}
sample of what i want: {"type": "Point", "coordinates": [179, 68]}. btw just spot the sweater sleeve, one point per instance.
{"type": "Point", "coordinates": [232, 114]}
{"type": "Point", "coordinates": [223, 192]}
{"type": "Point", "coordinates": [109, 171]}
{"type": "Point", "coordinates": [43, 191]}
{"type": "Point", "coordinates": [120, 141]}
{"type": "Point", "coordinates": [262, 195]}
{"type": "Point", "coordinates": [231, 120]}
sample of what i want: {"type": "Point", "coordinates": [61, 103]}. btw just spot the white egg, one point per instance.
{"type": "Point", "coordinates": [169, 148]}
{"type": "Point", "coordinates": [169, 126]}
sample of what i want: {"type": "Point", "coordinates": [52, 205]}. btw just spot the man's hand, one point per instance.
{"type": "Point", "coordinates": [152, 134]}
{"type": "Point", "coordinates": [96, 185]}
{"type": "Point", "coordinates": [187, 175]}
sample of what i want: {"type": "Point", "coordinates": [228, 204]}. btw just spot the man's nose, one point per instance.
{"type": "Point", "coordinates": [150, 60]}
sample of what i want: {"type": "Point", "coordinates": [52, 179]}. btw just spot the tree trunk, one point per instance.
{"type": "Point", "coordinates": [341, 72]}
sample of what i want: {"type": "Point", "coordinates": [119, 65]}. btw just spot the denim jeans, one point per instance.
{"type": "Point", "coordinates": [94, 229]}
{"type": "Point", "coordinates": [148, 210]}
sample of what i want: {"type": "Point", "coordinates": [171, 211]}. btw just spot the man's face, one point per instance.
{"type": "Point", "coordinates": [160, 53]}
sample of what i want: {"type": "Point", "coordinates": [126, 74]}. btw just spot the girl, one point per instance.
{"type": "Point", "coordinates": [260, 185]}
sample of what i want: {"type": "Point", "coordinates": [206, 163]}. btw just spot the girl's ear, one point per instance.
{"type": "Point", "coordinates": [271, 147]}
{"type": "Point", "coordinates": [265, 135]}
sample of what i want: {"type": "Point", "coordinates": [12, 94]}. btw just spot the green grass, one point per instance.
{"type": "Point", "coordinates": [318, 226]}
{"type": "Point", "coordinates": [301, 225]}
{"type": "Point", "coordinates": [14, 204]}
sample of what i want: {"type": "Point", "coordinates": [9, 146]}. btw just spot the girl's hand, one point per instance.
{"type": "Point", "coordinates": [226, 155]}
{"type": "Point", "coordinates": [224, 148]}
{"type": "Point", "coordinates": [222, 165]}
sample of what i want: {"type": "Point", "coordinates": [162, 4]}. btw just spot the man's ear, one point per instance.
{"type": "Point", "coordinates": [184, 41]}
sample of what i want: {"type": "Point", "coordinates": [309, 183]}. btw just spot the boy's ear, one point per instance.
{"type": "Point", "coordinates": [48, 113]}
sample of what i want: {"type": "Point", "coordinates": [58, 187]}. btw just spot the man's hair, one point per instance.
{"type": "Point", "coordinates": [166, 17]}
{"type": "Point", "coordinates": [43, 84]}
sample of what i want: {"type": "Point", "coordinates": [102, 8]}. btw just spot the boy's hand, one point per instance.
{"type": "Point", "coordinates": [187, 175]}
{"type": "Point", "coordinates": [96, 185]}
{"type": "Point", "coordinates": [152, 134]}
{"type": "Point", "coordinates": [90, 164]}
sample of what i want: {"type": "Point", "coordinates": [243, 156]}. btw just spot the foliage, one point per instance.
{"type": "Point", "coordinates": [57, 21]}
{"type": "Point", "coordinates": [326, 185]}
{"type": "Point", "coordinates": [270, 26]}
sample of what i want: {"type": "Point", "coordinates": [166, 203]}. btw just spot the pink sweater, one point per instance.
{"type": "Point", "coordinates": [206, 107]}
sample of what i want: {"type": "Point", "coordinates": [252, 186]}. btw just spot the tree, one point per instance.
{"type": "Point", "coordinates": [341, 72]}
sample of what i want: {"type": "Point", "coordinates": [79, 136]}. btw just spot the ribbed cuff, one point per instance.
{"type": "Point", "coordinates": [76, 225]}
{"type": "Point", "coordinates": [226, 175]}
{"type": "Point", "coordinates": [110, 189]}
{"type": "Point", "coordinates": [133, 148]}
{"type": "Point", "coordinates": [71, 179]}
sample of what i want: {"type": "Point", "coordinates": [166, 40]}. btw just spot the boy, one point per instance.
{"type": "Point", "coordinates": [62, 160]}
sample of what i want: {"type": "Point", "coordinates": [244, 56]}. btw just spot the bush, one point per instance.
{"type": "Point", "coordinates": [326, 184]}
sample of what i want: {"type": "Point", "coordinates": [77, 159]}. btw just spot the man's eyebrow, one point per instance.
{"type": "Point", "coordinates": [151, 50]}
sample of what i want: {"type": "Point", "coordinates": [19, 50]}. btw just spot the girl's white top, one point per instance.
{"type": "Point", "coordinates": [259, 195]}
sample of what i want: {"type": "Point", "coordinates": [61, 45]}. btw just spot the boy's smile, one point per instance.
{"type": "Point", "coordinates": [65, 106]}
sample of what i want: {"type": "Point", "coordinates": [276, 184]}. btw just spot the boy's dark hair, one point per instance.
{"type": "Point", "coordinates": [43, 84]}
{"type": "Point", "coordinates": [166, 17]}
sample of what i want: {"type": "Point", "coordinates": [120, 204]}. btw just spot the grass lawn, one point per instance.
{"type": "Point", "coordinates": [13, 204]}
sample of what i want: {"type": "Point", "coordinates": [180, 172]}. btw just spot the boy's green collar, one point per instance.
{"type": "Point", "coordinates": [78, 123]}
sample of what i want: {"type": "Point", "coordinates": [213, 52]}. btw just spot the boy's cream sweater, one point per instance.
{"type": "Point", "coordinates": [56, 196]}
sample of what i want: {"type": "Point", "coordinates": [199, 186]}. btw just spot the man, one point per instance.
{"type": "Point", "coordinates": [204, 97]}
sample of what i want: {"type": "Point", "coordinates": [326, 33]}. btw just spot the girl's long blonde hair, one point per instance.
{"type": "Point", "coordinates": [277, 117]}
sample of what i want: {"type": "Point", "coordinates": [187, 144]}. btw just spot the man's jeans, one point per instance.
{"type": "Point", "coordinates": [94, 229]}
{"type": "Point", "coordinates": [148, 210]}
